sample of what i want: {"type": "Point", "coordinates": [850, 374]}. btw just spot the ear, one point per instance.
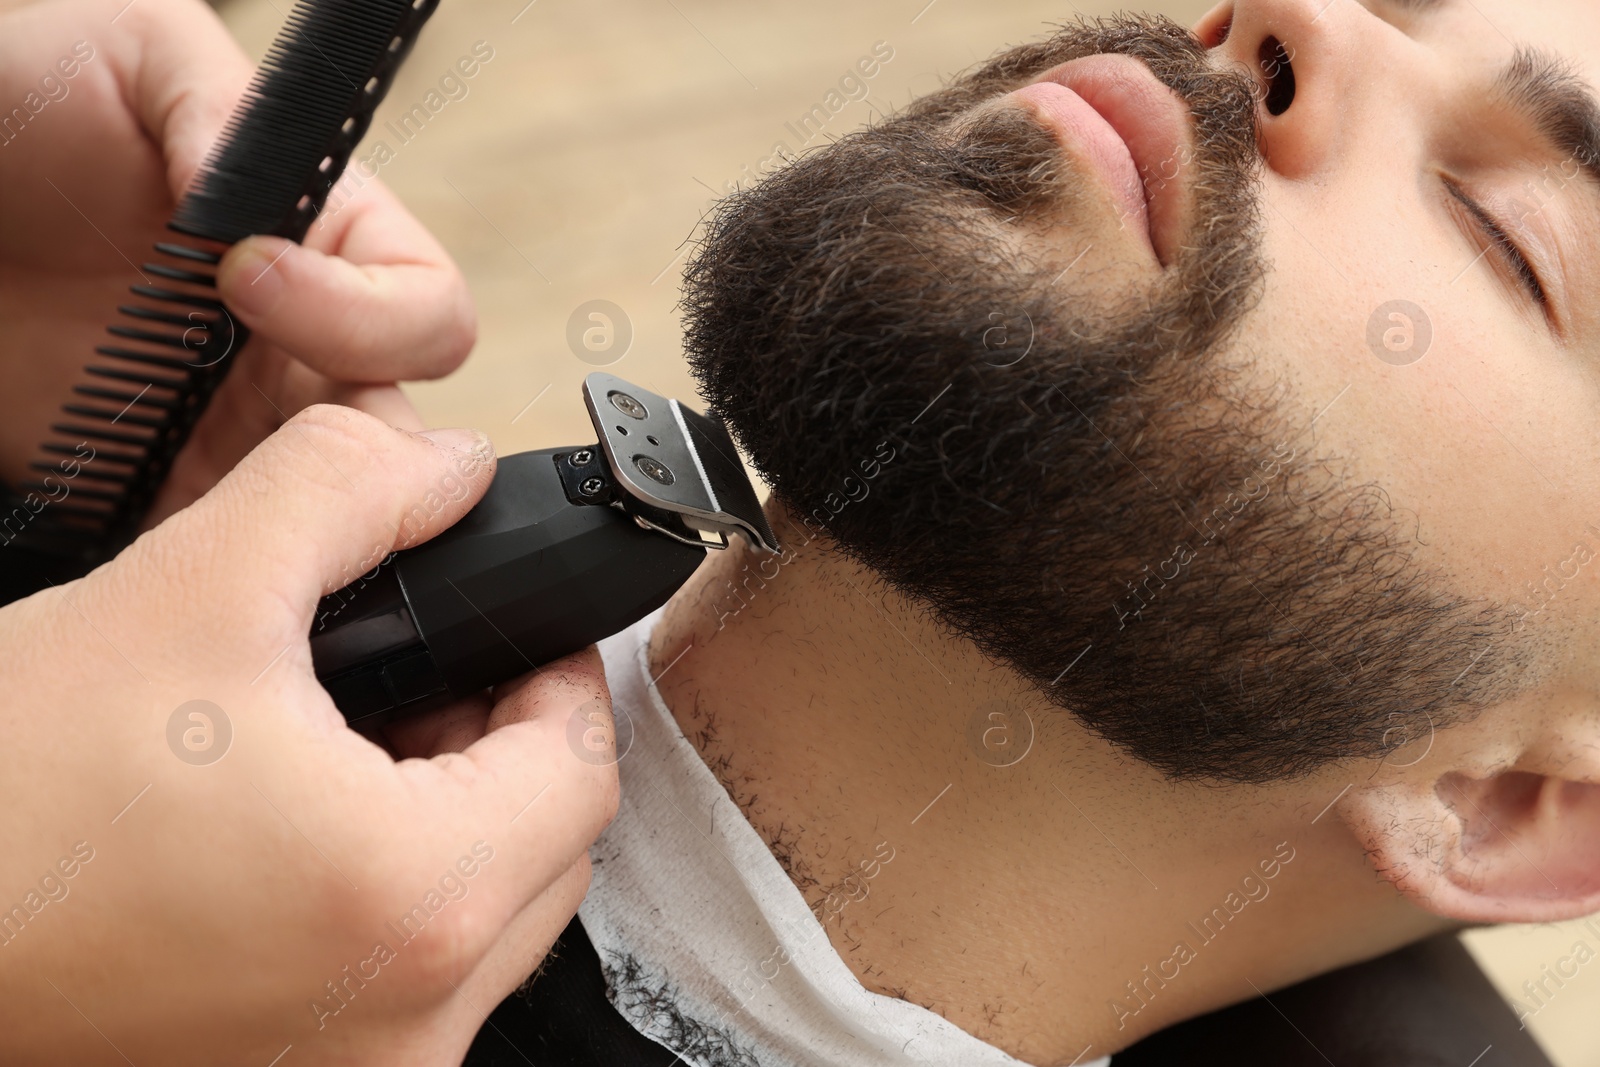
{"type": "Point", "coordinates": [1480, 845]}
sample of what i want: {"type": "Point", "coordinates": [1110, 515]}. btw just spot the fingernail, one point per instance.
{"type": "Point", "coordinates": [256, 277]}
{"type": "Point", "coordinates": [471, 442]}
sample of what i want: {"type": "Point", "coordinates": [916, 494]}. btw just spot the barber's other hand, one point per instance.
{"type": "Point", "coordinates": [89, 182]}
{"type": "Point", "coordinates": [248, 874]}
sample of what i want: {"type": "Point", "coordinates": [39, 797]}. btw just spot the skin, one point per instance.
{"type": "Point", "coordinates": [193, 912]}
{"type": "Point", "coordinates": [1026, 898]}
{"type": "Point", "coordinates": [369, 299]}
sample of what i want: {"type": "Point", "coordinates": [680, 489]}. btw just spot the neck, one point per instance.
{"type": "Point", "coordinates": [974, 849]}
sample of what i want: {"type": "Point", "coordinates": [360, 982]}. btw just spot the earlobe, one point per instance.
{"type": "Point", "coordinates": [1512, 846]}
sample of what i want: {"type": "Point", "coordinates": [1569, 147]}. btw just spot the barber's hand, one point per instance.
{"type": "Point", "coordinates": [89, 182]}
{"type": "Point", "coordinates": [212, 883]}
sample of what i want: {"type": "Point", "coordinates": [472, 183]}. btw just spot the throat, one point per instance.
{"type": "Point", "coordinates": [834, 714]}
{"type": "Point", "coordinates": [767, 672]}
{"type": "Point", "coordinates": [975, 850]}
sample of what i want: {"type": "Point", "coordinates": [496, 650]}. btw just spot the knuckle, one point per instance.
{"type": "Point", "coordinates": [458, 767]}
{"type": "Point", "coordinates": [337, 421]}
{"type": "Point", "coordinates": [449, 945]}
{"type": "Point", "coordinates": [434, 922]}
{"type": "Point", "coordinates": [339, 441]}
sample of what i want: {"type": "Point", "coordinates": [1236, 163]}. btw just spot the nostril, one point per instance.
{"type": "Point", "coordinates": [1274, 60]}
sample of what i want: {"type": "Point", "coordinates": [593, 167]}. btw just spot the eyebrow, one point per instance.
{"type": "Point", "coordinates": [1556, 102]}
{"type": "Point", "coordinates": [1542, 87]}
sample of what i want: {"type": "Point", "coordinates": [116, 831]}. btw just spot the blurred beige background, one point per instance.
{"type": "Point", "coordinates": [580, 158]}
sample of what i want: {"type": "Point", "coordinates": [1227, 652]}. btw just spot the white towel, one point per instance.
{"type": "Point", "coordinates": [708, 947]}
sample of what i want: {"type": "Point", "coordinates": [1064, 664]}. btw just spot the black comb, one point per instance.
{"type": "Point", "coordinates": [281, 153]}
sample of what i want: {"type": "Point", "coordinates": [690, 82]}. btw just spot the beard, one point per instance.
{"type": "Point", "coordinates": [1096, 488]}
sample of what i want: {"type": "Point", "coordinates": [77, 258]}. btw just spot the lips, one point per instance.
{"type": "Point", "coordinates": [1132, 130]}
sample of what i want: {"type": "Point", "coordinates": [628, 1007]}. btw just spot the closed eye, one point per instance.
{"type": "Point", "coordinates": [1510, 254]}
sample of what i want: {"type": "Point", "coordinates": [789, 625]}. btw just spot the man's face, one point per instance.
{"type": "Point", "coordinates": [1468, 399]}
{"type": "Point", "coordinates": [1223, 408]}
{"type": "Point", "coordinates": [1415, 344]}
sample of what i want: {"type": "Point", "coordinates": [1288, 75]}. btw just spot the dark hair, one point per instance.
{"type": "Point", "coordinates": [1096, 487]}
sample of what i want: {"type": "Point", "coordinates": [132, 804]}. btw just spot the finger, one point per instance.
{"type": "Point", "coordinates": [390, 305]}
{"type": "Point", "coordinates": [190, 76]}
{"type": "Point", "coordinates": [322, 500]}
{"type": "Point", "coordinates": [527, 781]}
{"type": "Point", "coordinates": [524, 944]}
{"type": "Point", "coordinates": [450, 729]}
{"type": "Point", "coordinates": [386, 402]}
{"type": "Point", "coordinates": [403, 313]}
{"type": "Point", "coordinates": [286, 386]}
{"type": "Point", "coordinates": [247, 409]}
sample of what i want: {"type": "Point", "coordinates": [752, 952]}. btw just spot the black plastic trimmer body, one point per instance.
{"type": "Point", "coordinates": [568, 545]}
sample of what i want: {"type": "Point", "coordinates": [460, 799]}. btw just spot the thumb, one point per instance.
{"type": "Point", "coordinates": [533, 783]}
{"type": "Point", "coordinates": [323, 500]}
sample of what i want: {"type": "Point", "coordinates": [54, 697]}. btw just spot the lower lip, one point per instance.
{"type": "Point", "coordinates": [1083, 132]}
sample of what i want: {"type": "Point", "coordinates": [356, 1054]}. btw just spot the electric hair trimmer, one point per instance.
{"type": "Point", "coordinates": [568, 545]}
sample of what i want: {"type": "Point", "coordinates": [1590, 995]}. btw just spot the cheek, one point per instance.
{"type": "Point", "coordinates": [1484, 444]}
{"type": "Point", "coordinates": [1486, 441]}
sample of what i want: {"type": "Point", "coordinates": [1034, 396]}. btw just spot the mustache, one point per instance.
{"type": "Point", "coordinates": [1171, 52]}
{"type": "Point", "coordinates": [1012, 160]}
{"type": "Point", "coordinates": [1017, 165]}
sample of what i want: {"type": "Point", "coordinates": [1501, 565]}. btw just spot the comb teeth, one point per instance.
{"type": "Point", "coordinates": [165, 376]}
{"type": "Point", "coordinates": [185, 252]}
{"type": "Point", "coordinates": [311, 102]}
{"type": "Point", "coordinates": [157, 315]}
{"type": "Point", "coordinates": [281, 153]}
{"type": "Point", "coordinates": [87, 473]}
{"type": "Point", "coordinates": [136, 378]}
{"type": "Point", "coordinates": [118, 396]}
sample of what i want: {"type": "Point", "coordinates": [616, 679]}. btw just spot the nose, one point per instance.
{"type": "Point", "coordinates": [1305, 57]}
